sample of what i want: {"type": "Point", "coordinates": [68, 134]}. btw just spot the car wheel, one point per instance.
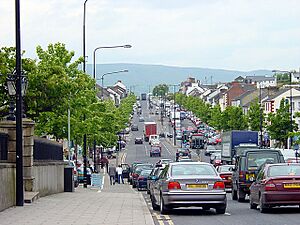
{"type": "Point", "coordinates": [154, 205]}
{"type": "Point", "coordinates": [252, 204]}
{"type": "Point", "coordinates": [234, 194]}
{"type": "Point", "coordinates": [133, 185]}
{"type": "Point", "coordinates": [262, 207]}
{"type": "Point", "coordinates": [221, 209]}
{"type": "Point", "coordinates": [148, 192]}
{"type": "Point", "coordinates": [241, 195]}
{"type": "Point", "coordinates": [205, 208]}
{"type": "Point", "coordinates": [163, 208]}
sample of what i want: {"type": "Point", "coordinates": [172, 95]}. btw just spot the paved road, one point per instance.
{"type": "Point", "coordinates": [236, 214]}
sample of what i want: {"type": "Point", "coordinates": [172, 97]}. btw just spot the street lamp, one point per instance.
{"type": "Point", "coordinates": [117, 46]}
{"type": "Point", "coordinates": [291, 101]}
{"type": "Point", "coordinates": [174, 111]}
{"type": "Point", "coordinates": [102, 79]}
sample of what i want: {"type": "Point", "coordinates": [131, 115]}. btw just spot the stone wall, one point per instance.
{"type": "Point", "coordinates": [7, 185]}
{"type": "Point", "coordinates": [48, 177]}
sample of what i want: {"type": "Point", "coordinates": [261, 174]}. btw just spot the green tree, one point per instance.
{"type": "Point", "coordinates": [280, 125]}
{"type": "Point", "coordinates": [254, 114]}
{"type": "Point", "coordinates": [160, 90]}
{"type": "Point", "coordinates": [233, 119]}
{"type": "Point", "coordinates": [215, 118]}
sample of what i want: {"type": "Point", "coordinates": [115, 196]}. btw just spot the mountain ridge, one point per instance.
{"type": "Point", "coordinates": [143, 77]}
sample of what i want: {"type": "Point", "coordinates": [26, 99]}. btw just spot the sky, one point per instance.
{"type": "Point", "coordinates": [223, 34]}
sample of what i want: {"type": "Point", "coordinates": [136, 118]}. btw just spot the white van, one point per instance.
{"type": "Point", "coordinates": [153, 138]}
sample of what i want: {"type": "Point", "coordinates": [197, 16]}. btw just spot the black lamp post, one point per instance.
{"type": "Point", "coordinates": [260, 117]}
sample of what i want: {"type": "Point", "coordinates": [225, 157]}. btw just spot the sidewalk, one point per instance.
{"type": "Point", "coordinates": [116, 204]}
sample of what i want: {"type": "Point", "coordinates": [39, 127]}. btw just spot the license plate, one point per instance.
{"type": "Point", "coordinates": [250, 176]}
{"type": "Point", "coordinates": [291, 185]}
{"type": "Point", "coordinates": [204, 186]}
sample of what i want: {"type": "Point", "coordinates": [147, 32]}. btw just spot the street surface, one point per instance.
{"type": "Point", "coordinates": [236, 213]}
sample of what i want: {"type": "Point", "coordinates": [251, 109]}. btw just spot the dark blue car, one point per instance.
{"type": "Point", "coordinates": [142, 180]}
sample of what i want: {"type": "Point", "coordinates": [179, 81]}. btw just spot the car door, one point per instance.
{"type": "Point", "coordinates": [254, 189]}
{"type": "Point", "coordinates": [157, 184]}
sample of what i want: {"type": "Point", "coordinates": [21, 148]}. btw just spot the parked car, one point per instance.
{"type": "Point", "coordinates": [141, 183]}
{"type": "Point", "coordinates": [225, 172]}
{"type": "Point", "coordinates": [137, 171]}
{"type": "Point", "coordinates": [134, 127]}
{"type": "Point", "coordinates": [276, 185]}
{"type": "Point", "coordinates": [169, 135]}
{"type": "Point", "coordinates": [138, 140]}
{"type": "Point", "coordinates": [189, 184]}
{"type": "Point", "coordinates": [153, 177]}
{"type": "Point", "coordinates": [80, 171]}
{"type": "Point", "coordinates": [131, 168]}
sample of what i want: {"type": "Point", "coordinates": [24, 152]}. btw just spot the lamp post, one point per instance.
{"type": "Point", "coordinates": [291, 102]}
{"type": "Point", "coordinates": [84, 10]}
{"type": "Point", "coordinates": [260, 116]}
{"type": "Point", "coordinates": [102, 79]}
{"type": "Point", "coordinates": [174, 111]}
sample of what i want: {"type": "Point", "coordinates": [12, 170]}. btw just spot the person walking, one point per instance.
{"type": "Point", "coordinates": [112, 174]}
{"type": "Point", "coordinates": [120, 174]}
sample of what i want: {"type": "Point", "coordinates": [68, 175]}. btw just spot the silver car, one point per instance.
{"type": "Point", "coordinates": [185, 184]}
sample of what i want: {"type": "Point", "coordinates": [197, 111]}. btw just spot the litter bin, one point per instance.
{"type": "Point", "coordinates": [68, 179]}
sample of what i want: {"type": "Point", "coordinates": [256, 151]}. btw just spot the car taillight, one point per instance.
{"type": "Point", "coordinates": [241, 174]}
{"type": "Point", "coordinates": [270, 186]}
{"type": "Point", "coordinates": [223, 177]}
{"type": "Point", "coordinates": [219, 185]}
{"type": "Point", "coordinates": [173, 185]}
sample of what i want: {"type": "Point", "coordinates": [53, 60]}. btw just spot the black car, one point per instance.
{"type": "Point", "coordinates": [134, 127]}
{"type": "Point", "coordinates": [247, 165]}
{"type": "Point", "coordinates": [138, 140]}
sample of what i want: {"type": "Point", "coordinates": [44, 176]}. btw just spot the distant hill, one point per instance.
{"type": "Point", "coordinates": [141, 77]}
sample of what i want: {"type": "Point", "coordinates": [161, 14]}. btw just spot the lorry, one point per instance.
{"type": "Point", "coordinates": [150, 128]}
{"type": "Point", "coordinates": [197, 141]}
{"type": "Point", "coordinates": [143, 96]}
{"type": "Point", "coordinates": [237, 139]}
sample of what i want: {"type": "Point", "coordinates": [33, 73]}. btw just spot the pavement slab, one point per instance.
{"type": "Point", "coordinates": [114, 205]}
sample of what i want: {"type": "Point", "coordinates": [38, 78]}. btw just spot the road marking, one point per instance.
{"type": "Point", "coordinates": [146, 149]}
{"type": "Point", "coordinates": [170, 222]}
{"type": "Point", "coordinates": [167, 148]}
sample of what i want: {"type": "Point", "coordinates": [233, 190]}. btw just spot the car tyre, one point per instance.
{"type": "Point", "coordinates": [262, 207]}
{"type": "Point", "coordinates": [241, 195]}
{"type": "Point", "coordinates": [252, 204]}
{"type": "Point", "coordinates": [234, 194]}
{"type": "Point", "coordinates": [163, 208]}
{"type": "Point", "coordinates": [154, 205]}
{"type": "Point", "coordinates": [133, 185]}
{"type": "Point", "coordinates": [148, 192]}
{"type": "Point", "coordinates": [221, 210]}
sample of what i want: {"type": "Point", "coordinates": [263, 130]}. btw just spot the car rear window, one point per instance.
{"type": "Point", "coordinates": [257, 159]}
{"type": "Point", "coordinates": [284, 170]}
{"type": "Point", "coordinates": [192, 169]}
{"type": "Point", "coordinates": [225, 169]}
{"type": "Point", "coordinates": [145, 173]}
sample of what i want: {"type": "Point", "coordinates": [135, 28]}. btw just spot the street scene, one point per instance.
{"type": "Point", "coordinates": [149, 113]}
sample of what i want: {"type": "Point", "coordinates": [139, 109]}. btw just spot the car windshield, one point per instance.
{"type": "Point", "coordinates": [224, 169]}
{"type": "Point", "coordinates": [284, 170]}
{"type": "Point", "coordinates": [257, 159]}
{"type": "Point", "coordinates": [192, 169]}
{"type": "Point", "coordinates": [139, 169]}
{"type": "Point", "coordinates": [145, 173]}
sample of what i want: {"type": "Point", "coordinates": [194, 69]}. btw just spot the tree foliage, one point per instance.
{"type": "Point", "coordinates": [160, 90]}
{"type": "Point", "coordinates": [254, 115]}
{"type": "Point", "coordinates": [280, 124]}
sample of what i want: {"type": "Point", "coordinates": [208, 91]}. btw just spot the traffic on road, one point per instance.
{"type": "Point", "coordinates": [205, 172]}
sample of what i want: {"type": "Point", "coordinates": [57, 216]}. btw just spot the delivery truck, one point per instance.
{"type": "Point", "coordinates": [236, 140]}
{"type": "Point", "coordinates": [150, 128]}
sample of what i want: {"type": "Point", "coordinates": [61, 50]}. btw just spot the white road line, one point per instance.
{"type": "Point", "coordinates": [167, 148]}
{"type": "Point", "coordinates": [146, 149]}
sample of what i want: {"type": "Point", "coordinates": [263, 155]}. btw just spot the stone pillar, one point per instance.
{"type": "Point", "coordinates": [9, 127]}
{"type": "Point", "coordinates": [28, 140]}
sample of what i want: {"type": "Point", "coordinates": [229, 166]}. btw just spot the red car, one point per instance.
{"type": "Point", "coordinates": [226, 175]}
{"type": "Point", "coordinates": [276, 185]}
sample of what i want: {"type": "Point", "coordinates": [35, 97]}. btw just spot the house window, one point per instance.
{"type": "Point", "coordinates": [298, 105]}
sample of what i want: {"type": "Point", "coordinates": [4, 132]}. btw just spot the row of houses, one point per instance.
{"type": "Point", "coordinates": [115, 92]}
{"type": "Point", "coordinates": [245, 90]}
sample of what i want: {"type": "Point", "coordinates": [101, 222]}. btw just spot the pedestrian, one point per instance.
{"type": "Point", "coordinates": [120, 174]}
{"type": "Point", "coordinates": [104, 162]}
{"type": "Point", "coordinates": [112, 174]}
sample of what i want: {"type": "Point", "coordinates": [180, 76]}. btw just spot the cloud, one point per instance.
{"type": "Point", "coordinates": [231, 34]}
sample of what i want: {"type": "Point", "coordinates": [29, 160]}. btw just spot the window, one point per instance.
{"type": "Point", "coordinates": [192, 169]}
{"type": "Point", "coordinates": [164, 172]}
{"type": "Point", "coordinates": [256, 160]}
{"type": "Point", "coordinates": [284, 170]}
